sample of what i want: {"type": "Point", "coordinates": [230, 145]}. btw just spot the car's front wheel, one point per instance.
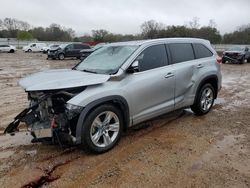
{"type": "Point", "coordinates": [102, 128]}
{"type": "Point", "coordinates": [204, 100]}
{"type": "Point", "coordinates": [61, 56]}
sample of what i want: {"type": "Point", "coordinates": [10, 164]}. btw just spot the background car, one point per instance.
{"type": "Point", "coordinates": [86, 52]}
{"type": "Point", "coordinates": [7, 48]}
{"type": "Point", "coordinates": [34, 47]}
{"type": "Point", "coordinates": [47, 48]}
{"type": "Point", "coordinates": [236, 55]}
{"type": "Point", "coordinates": [67, 50]}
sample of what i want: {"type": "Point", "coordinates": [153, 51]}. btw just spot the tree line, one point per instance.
{"type": "Point", "coordinates": [13, 28]}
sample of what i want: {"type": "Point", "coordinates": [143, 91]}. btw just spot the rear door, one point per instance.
{"type": "Point", "coordinates": [151, 89]}
{"type": "Point", "coordinates": [188, 68]}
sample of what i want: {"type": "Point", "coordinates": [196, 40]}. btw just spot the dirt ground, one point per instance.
{"type": "Point", "coordinates": [175, 150]}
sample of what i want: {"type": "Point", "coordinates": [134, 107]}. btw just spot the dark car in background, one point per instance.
{"type": "Point", "coordinates": [236, 55]}
{"type": "Point", "coordinates": [86, 52]}
{"type": "Point", "coordinates": [67, 50]}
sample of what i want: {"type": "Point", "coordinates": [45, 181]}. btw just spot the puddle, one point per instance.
{"type": "Point", "coordinates": [226, 146]}
{"type": "Point", "coordinates": [223, 146]}
{"type": "Point", "coordinates": [21, 138]}
{"type": "Point", "coordinates": [32, 153]}
{"type": "Point", "coordinates": [220, 101]}
{"type": "Point", "coordinates": [6, 154]}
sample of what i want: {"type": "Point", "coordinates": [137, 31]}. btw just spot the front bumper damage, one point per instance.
{"type": "Point", "coordinates": [48, 118]}
{"type": "Point", "coordinates": [234, 58]}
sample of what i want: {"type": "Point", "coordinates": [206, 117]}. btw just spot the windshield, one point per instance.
{"type": "Point", "coordinates": [237, 48]}
{"type": "Point", "coordinates": [106, 60]}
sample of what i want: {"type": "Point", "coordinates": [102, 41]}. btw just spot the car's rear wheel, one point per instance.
{"type": "Point", "coordinates": [204, 100]}
{"type": "Point", "coordinates": [12, 51]}
{"type": "Point", "coordinates": [102, 128]}
{"type": "Point", "coordinates": [61, 56]}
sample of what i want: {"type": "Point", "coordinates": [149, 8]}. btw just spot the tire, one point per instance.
{"type": "Point", "coordinates": [61, 56]}
{"type": "Point", "coordinates": [97, 135]}
{"type": "Point", "coordinates": [242, 61]}
{"type": "Point", "coordinates": [29, 50]}
{"type": "Point", "coordinates": [204, 103]}
{"type": "Point", "coordinates": [12, 51]}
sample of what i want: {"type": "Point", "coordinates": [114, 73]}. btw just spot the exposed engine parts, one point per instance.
{"type": "Point", "coordinates": [48, 116]}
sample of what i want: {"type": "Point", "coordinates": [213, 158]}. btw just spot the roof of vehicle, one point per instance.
{"type": "Point", "coordinates": [142, 42]}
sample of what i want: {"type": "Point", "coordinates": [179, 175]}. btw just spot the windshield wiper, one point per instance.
{"type": "Point", "coordinates": [84, 70]}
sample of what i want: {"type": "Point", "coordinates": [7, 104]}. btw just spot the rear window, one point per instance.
{"type": "Point", "coordinates": [181, 52]}
{"type": "Point", "coordinates": [201, 51]}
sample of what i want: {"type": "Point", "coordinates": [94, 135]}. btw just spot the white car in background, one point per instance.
{"type": "Point", "coordinates": [47, 48]}
{"type": "Point", "coordinates": [7, 48]}
{"type": "Point", "coordinates": [34, 47]}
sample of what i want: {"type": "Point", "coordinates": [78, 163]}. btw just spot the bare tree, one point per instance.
{"type": "Point", "coordinates": [1, 24]}
{"type": "Point", "coordinates": [212, 24]}
{"type": "Point", "coordinates": [151, 28]}
{"type": "Point", "coordinates": [25, 26]}
{"type": "Point", "coordinates": [194, 24]}
{"type": "Point", "coordinates": [71, 32]}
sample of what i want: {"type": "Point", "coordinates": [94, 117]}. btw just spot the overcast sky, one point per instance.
{"type": "Point", "coordinates": [126, 16]}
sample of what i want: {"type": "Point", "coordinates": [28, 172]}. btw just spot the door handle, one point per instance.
{"type": "Point", "coordinates": [200, 66]}
{"type": "Point", "coordinates": [169, 75]}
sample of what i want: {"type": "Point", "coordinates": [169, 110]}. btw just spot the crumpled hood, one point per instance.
{"type": "Point", "coordinates": [61, 79]}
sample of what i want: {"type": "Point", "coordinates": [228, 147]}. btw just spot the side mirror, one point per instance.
{"type": "Point", "coordinates": [66, 49]}
{"type": "Point", "coordinates": [134, 67]}
{"type": "Point", "coordinates": [246, 49]}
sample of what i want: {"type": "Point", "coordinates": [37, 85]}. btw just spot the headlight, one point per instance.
{"type": "Point", "coordinates": [74, 108]}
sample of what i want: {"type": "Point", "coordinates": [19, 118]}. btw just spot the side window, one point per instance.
{"type": "Point", "coordinates": [85, 47]}
{"type": "Point", "coordinates": [181, 52]}
{"type": "Point", "coordinates": [70, 47]}
{"type": "Point", "coordinates": [77, 46]}
{"type": "Point", "coordinates": [152, 57]}
{"type": "Point", "coordinates": [33, 45]}
{"type": "Point", "coordinates": [201, 51]}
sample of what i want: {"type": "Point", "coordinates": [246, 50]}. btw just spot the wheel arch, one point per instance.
{"type": "Point", "coordinates": [115, 100]}
{"type": "Point", "coordinates": [213, 80]}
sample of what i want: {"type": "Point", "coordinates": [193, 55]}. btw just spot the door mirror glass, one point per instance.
{"type": "Point", "coordinates": [246, 49]}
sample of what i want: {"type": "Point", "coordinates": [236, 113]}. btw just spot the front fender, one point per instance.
{"type": "Point", "coordinates": [95, 103]}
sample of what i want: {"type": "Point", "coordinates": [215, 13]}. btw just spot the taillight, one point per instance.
{"type": "Point", "coordinates": [219, 60]}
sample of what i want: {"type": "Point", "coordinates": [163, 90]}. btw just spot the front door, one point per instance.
{"type": "Point", "coordinates": [151, 89]}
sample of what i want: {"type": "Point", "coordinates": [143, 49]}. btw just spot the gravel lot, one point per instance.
{"type": "Point", "coordinates": [175, 150]}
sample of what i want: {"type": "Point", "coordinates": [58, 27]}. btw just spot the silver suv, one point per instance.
{"type": "Point", "coordinates": [118, 86]}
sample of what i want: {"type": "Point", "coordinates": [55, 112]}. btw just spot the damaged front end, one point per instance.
{"type": "Point", "coordinates": [49, 117]}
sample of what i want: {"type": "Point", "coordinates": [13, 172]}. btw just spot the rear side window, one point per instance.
{"type": "Point", "coordinates": [201, 51]}
{"type": "Point", "coordinates": [80, 46]}
{"type": "Point", "coordinates": [181, 52]}
{"type": "Point", "coordinates": [152, 57]}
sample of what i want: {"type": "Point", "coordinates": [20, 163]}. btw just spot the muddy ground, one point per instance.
{"type": "Point", "coordinates": [175, 150]}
